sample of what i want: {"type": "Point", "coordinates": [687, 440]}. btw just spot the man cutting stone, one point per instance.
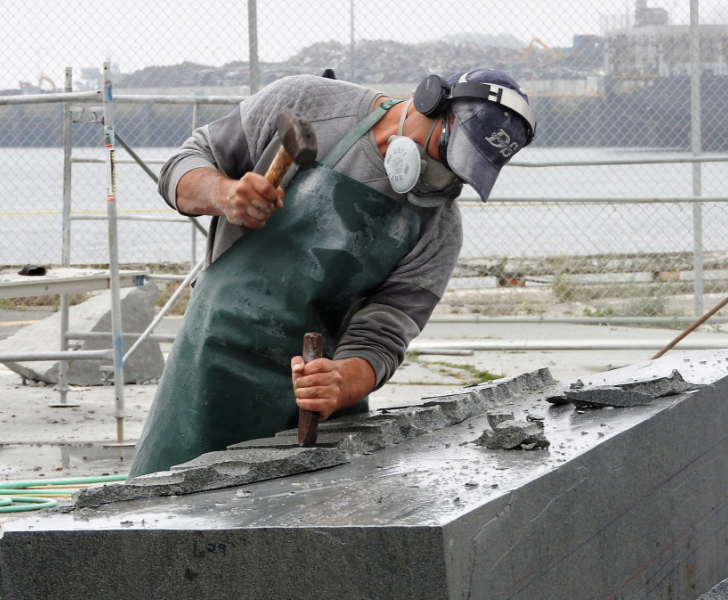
{"type": "Point", "coordinates": [359, 247]}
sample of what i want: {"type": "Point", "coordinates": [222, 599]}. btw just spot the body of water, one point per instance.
{"type": "Point", "coordinates": [31, 201]}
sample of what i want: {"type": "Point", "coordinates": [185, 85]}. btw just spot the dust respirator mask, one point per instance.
{"type": "Point", "coordinates": [411, 171]}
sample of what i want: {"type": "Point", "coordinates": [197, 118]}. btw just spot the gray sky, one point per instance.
{"type": "Point", "coordinates": [44, 36]}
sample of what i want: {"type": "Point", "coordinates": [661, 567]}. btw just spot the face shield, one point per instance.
{"type": "Point", "coordinates": [484, 137]}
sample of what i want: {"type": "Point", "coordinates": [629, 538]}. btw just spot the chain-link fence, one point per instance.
{"type": "Point", "coordinates": [597, 221]}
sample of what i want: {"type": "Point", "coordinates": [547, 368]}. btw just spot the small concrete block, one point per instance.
{"type": "Point", "coordinates": [598, 397]}
{"type": "Point", "coordinates": [512, 434]}
{"type": "Point", "coordinates": [495, 417]}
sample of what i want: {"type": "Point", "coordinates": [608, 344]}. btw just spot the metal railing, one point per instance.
{"type": "Point", "coordinates": [697, 245]}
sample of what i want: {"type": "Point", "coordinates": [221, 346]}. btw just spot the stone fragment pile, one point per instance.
{"type": "Point", "coordinates": [506, 433]}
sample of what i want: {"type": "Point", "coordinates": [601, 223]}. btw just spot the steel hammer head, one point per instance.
{"type": "Point", "coordinates": [297, 137]}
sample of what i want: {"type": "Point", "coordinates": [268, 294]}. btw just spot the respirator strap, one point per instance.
{"type": "Point", "coordinates": [430, 132]}
{"type": "Point", "coordinates": [403, 116]}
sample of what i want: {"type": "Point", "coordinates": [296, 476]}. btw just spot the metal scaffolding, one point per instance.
{"type": "Point", "coordinates": [71, 280]}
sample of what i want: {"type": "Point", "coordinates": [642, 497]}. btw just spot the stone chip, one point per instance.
{"type": "Point", "coordinates": [509, 435]}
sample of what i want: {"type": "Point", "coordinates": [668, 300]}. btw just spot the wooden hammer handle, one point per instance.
{"type": "Point", "coordinates": [313, 348]}
{"type": "Point", "coordinates": [279, 167]}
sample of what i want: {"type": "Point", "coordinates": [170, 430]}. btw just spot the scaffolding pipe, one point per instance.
{"type": "Point", "coordinates": [195, 225]}
{"type": "Point", "coordinates": [152, 277]}
{"type": "Point", "coordinates": [253, 64]}
{"type": "Point", "coordinates": [196, 269]}
{"type": "Point", "coordinates": [163, 99]}
{"type": "Point", "coordinates": [94, 96]}
{"type": "Point", "coordinates": [571, 320]}
{"type": "Point", "coordinates": [130, 218]}
{"type": "Point", "coordinates": [136, 158]}
{"type": "Point", "coordinates": [696, 144]}
{"type": "Point", "coordinates": [69, 355]}
{"type": "Point", "coordinates": [66, 232]}
{"type": "Point", "coordinates": [195, 115]}
{"type": "Point", "coordinates": [119, 161]}
{"type": "Point", "coordinates": [556, 344]}
{"type": "Point", "coordinates": [118, 353]}
{"type": "Point", "coordinates": [104, 335]}
{"type": "Point", "coordinates": [563, 163]}
{"type": "Point", "coordinates": [622, 161]}
{"type": "Point", "coordinates": [576, 200]}
{"type": "Point", "coordinates": [352, 43]}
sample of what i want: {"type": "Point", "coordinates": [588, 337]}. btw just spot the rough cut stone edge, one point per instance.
{"type": "Point", "coordinates": [232, 469]}
{"type": "Point", "coordinates": [237, 467]}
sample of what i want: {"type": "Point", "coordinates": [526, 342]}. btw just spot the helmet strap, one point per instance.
{"type": "Point", "coordinates": [444, 140]}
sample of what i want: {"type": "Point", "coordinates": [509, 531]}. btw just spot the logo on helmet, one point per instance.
{"type": "Point", "coordinates": [502, 141]}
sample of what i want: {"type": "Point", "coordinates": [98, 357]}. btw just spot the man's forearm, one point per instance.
{"type": "Point", "coordinates": [358, 381]}
{"type": "Point", "coordinates": [247, 202]}
{"type": "Point", "coordinates": [197, 192]}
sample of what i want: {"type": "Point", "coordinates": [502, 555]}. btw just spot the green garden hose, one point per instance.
{"type": "Point", "coordinates": [28, 503]}
{"type": "Point", "coordinates": [34, 494]}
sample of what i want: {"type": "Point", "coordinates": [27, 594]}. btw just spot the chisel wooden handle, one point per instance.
{"type": "Point", "coordinates": [313, 348]}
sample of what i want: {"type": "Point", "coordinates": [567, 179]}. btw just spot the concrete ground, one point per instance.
{"type": "Point", "coordinates": [40, 442]}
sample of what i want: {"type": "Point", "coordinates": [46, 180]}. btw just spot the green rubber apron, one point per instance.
{"type": "Point", "coordinates": [228, 377]}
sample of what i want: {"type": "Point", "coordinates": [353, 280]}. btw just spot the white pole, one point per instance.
{"type": "Point", "coordinates": [108, 99]}
{"type": "Point", "coordinates": [66, 233]}
{"type": "Point", "coordinates": [696, 143]}
{"type": "Point", "coordinates": [253, 64]}
{"type": "Point", "coordinates": [352, 47]}
{"type": "Point", "coordinates": [193, 222]}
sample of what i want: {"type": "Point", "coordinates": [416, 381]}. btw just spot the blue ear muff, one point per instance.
{"type": "Point", "coordinates": [432, 96]}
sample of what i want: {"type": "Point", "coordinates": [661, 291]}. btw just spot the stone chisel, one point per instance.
{"type": "Point", "coordinates": [313, 348]}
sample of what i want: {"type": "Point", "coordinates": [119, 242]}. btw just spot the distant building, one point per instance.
{"type": "Point", "coordinates": [645, 16]}
{"type": "Point", "coordinates": [652, 51]}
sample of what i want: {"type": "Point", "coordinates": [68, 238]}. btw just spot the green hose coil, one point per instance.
{"type": "Point", "coordinates": [16, 497]}
{"type": "Point", "coordinates": [28, 503]}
